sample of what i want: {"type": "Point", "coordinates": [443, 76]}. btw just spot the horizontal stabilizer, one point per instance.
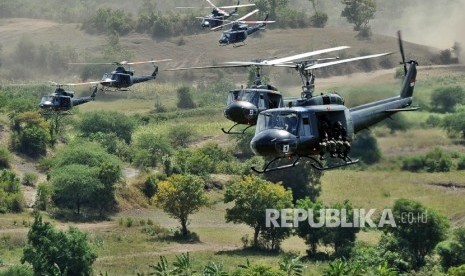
{"type": "Point", "coordinates": [402, 109]}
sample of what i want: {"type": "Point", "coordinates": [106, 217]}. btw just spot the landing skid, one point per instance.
{"type": "Point", "coordinates": [49, 113]}
{"type": "Point", "coordinates": [315, 164]}
{"type": "Point", "coordinates": [235, 132]}
{"type": "Point", "coordinates": [236, 46]}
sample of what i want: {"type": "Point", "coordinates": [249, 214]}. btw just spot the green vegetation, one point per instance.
{"type": "Point", "coordinates": [452, 251]}
{"type": "Point", "coordinates": [181, 196]}
{"type": "Point", "coordinates": [455, 123]}
{"type": "Point", "coordinates": [93, 123]}
{"type": "Point", "coordinates": [434, 161]}
{"type": "Point", "coordinates": [87, 168]}
{"type": "Point", "coordinates": [251, 197]}
{"type": "Point", "coordinates": [52, 252]}
{"type": "Point", "coordinates": [365, 146]}
{"type": "Point", "coordinates": [418, 234]}
{"type": "Point", "coordinates": [444, 99]}
{"type": "Point", "coordinates": [31, 134]}
{"type": "Point", "coordinates": [108, 21]}
{"type": "Point", "coordinates": [359, 13]}
{"type": "Point", "coordinates": [11, 197]}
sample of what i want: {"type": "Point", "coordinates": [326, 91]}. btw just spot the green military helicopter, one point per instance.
{"type": "Point", "coordinates": [307, 129]}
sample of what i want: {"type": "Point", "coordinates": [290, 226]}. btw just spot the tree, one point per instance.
{"type": "Point", "coordinates": [150, 147]}
{"type": "Point", "coordinates": [418, 228]}
{"type": "Point", "coordinates": [107, 122]}
{"type": "Point", "coordinates": [359, 12]}
{"type": "Point", "coordinates": [185, 100]}
{"type": "Point", "coordinates": [75, 186]}
{"type": "Point", "coordinates": [318, 18]}
{"type": "Point", "coordinates": [342, 238]}
{"type": "Point", "coordinates": [397, 122]}
{"type": "Point", "coordinates": [311, 235]}
{"type": "Point", "coordinates": [181, 196]}
{"type": "Point", "coordinates": [304, 181]}
{"type": "Point", "coordinates": [444, 99]}
{"type": "Point", "coordinates": [252, 196]}
{"type": "Point", "coordinates": [11, 197]}
{"type": "Point", "coordinates": [452, 251]}
{"type": "Point", "coordinates": [181, 135]}
{"type": "Point", "coordinates": [48, 249]}
{"type": "Point", "coordinates": [365, 147]}
{"type": "Point", "coordinates": [455, 123]}
{"type": "Point", "coordinates": [31, 134]}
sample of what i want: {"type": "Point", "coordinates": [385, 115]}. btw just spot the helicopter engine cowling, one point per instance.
{"type": "Point", "coordinates": [242, 112]}
{"type": "Point", "coordinates": [273, 142]}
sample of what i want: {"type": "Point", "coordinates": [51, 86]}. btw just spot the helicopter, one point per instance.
{"type": "Point", "coordinates": [300, 131]}
{"type": "Point", "coordinates": [240, 30]}
{"type": "Point", "coordinates": [61, 101]}
{"type": "Point", "coordinates": [121, 79]}
{"type": "Point", "coordinates": [243, 105]}
{"type": "Point", "coordinates": [218, 14]}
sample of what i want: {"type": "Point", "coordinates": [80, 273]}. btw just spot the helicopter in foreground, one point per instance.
{"type": "Point", "coordinates": [218, 14]}
{"type": "Point", "coordinates": [301, 131]}
{"type": "Point", "coordinates": [121, 79]}
{"type": "Point", "coordinates": [240, 30]}
{"type": "Point", "coordinates": [243, 105]}
{"type": "Point", "coordinates": [61, 101]}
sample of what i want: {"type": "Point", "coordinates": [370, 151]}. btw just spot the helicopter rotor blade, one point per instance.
{"type": "Point", "coordinates": [281, 62]}
{"type": "Point", "coordinates": [239, 19]}
{"type": "Point", "coordinates": [321, 65]}
{"type": "Point", "coordinates": [236, 6]}
{"type": "Point", "coordinates": [399, 38]}
{"type": "Point", "coordinates": [124, 62]}
{"type": "Point", "coordinates": [148, 61]}
{"type": "Point", "coordinates": [256, 22]}
{"type": "Point", "coordinates": [207, 67]}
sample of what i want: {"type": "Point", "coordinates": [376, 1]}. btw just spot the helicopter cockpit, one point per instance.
{"type": "Point", "coordinates": [285, 120]}
{"type": "Point", "coordinates": [242, 95]}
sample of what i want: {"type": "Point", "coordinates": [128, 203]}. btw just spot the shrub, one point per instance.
{"type": "Point", "coordinates": [150, 147]}
{"type": "Point", "coordinates": [107, 122]}
{"type": "Point", "coordinates": [444, 99]}
{"type": "Point", "coordinates": [365, 147]}
{"type": "Point", "coordinates": [319, 19]}
{"type": "Point", "coordinates": [185, 100]}
{"type": "Point", "coordinates": [434, 161]}
{"type": "Point", "coordinates": [461, 163]}
{"type": "Point", "coordinates": [109, 21]}
{"type": "Point", "coordinates": [30, 179]}
{"type": "Point", "coordinates": [433, 121]}
{"type": "Point", "coordinates": [5, 158]}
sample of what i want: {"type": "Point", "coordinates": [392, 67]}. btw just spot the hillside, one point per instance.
{"type": "Point", "coordinates": [203, 49]}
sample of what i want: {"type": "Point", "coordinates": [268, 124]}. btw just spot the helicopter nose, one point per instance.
{"type": "Point", "coordinates": [223, 41]}
{"type": "Point", "coordinates": [274, 142]}
{"type": "Point", "coordinates": [242, 112]}
{"type": "Point", "coordinates": [45, 104]}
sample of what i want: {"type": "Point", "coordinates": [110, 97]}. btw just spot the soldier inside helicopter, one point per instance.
{"type": "Point", "coordinates": [333, 140]}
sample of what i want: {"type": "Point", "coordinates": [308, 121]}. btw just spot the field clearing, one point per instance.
{"type": "Point", "coordinates": [378, 190]}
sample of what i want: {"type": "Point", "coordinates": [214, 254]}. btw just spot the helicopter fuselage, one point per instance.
{"type": "Point", "coordinates": [295, 131]}
{"type": "Point", "coordinates": [122, 78]}
{"type": "Point", "coordinates": [238, 33]}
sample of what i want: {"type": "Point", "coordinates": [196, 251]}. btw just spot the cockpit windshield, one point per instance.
{"type": "Point", "coordinates": [243, 95]}
{"type": "Point", "coordinates": [47, 99]}
{"type": "Point", "coordinates": [285, 120]}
